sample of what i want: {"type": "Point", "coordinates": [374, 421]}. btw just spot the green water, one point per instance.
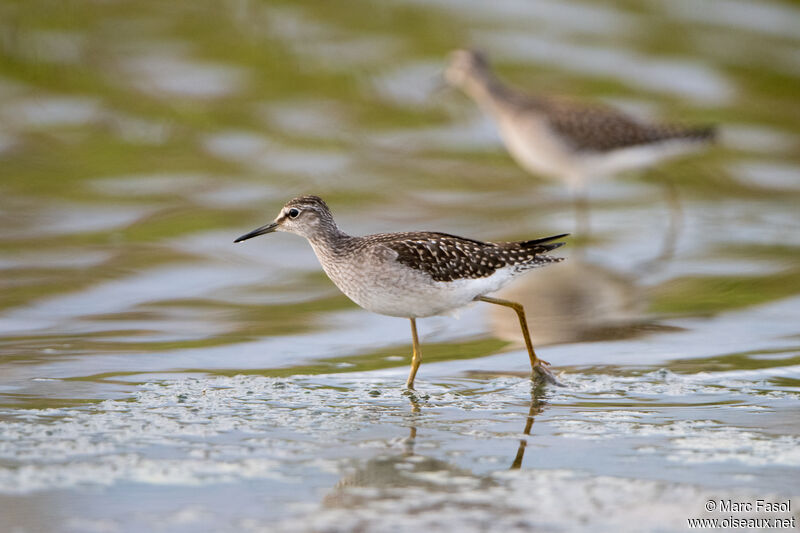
{"type": "Point", "coordinates": [155, 376]}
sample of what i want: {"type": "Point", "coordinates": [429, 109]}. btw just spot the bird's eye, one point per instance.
{"type": "Point", "coordinates": [293, 212]}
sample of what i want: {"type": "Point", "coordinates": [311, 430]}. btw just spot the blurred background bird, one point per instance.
{"type": "Point", "coordinates": [570, 141]}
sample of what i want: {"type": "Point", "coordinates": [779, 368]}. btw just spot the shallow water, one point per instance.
{"type": "Point", "coordinates": [153, 376]}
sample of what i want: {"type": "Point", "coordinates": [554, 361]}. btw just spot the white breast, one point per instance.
{"type": "Point", "coordinates": [382, 285]}
{"type": "Point", "coordinates": [534, 147]}
{"type": "Point", "coordinates": [397, 297]}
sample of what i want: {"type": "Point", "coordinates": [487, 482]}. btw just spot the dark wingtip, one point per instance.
{"type": "Point", "coordinates": [543, 240]}
{"type": "Point", "coordinates": [709, 132]}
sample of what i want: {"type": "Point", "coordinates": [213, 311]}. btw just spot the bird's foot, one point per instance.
{"type": "Point", "coordinates": [542, 371]}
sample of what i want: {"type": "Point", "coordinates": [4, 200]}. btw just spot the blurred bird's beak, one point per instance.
{"type": "Point", "coordinates": [263, 230]}
{"type": "Point", "coordinates": [440, 86]}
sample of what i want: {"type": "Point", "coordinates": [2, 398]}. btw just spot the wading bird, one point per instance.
{"type": "Point", "coordinates": [414, 274]}
{"type": "Point", "coordinates": [566, 140]}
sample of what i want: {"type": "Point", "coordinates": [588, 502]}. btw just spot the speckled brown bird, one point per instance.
{"type": "Point", "coordinates": [414, 274]}
{"type": "Point", "coordinates": [567, 140]}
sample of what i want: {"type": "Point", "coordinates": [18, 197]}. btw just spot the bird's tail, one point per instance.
{"type": "Point", "coordinates": [544, 244]}
{"type": "Point", "coordinates": [703, 133]}
{"type": "Point", "coordinates": [672, 132]}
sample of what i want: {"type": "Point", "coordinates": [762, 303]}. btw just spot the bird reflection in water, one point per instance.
{"type": "Point", "coordinates": [537, 406]}
{"type": "Point", "coordinates": [389, 476]}
{"type": "Point", "coordinates": [576, 301]}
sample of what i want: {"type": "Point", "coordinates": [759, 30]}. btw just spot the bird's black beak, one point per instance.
{"type": "Point", "coordinates": [263, 230]}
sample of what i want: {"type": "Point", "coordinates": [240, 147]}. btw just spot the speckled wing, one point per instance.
{"type": "Point", "coordinates": [600, 129]}
{"type": "Point", "coordinates": [448, 258]}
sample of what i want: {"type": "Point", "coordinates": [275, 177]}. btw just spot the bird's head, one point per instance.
{"type": "Point", "coordinates": [305, 216]}
{"type": "Point", "coordinates": [466, 66]}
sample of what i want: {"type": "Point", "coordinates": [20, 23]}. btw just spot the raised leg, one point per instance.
{"type": "Point", "coordinates": [522, 322]}
{"type": "Point", "coordinates": [537, 365]}
{"type": "Point", "coordinates": [416, 358]}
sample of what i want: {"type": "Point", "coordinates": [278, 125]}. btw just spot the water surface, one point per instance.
{"type": "Point", "coordinates": [153, 376]}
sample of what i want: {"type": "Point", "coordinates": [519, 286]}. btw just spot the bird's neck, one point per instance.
{"type": "Point", "coordinates": [489, 92]}
{"type": "Point", "coordinates": [329, 241]}
{"type": "Point", "coordinates": [332, 249]}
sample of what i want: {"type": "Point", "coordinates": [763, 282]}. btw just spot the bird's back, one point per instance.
{"type": "Point", "coordinates": [574, 142]}
{"type": "Point", "coordinates": [597, 128]}
{"type": "Point", "coordinates": [446, 257]}
{"type": "Point", "coordinates": [601, 129]}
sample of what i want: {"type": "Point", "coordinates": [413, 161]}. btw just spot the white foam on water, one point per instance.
{"type": "Point", "coordinates": [202, 430]}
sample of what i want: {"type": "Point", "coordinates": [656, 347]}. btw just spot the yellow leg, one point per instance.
{"type": "Point", "coordinates": [417, 357]}
{"type": "Point", "coordinates": [523, 323]}
{"type": "Point", "coordinates": [537, 365]}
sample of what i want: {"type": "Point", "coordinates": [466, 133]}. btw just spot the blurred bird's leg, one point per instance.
{"type": "Point", "coordinates": [538, 366]}
{"type": "Point", "coordinates": [675, 221]}
{"type": "Point", "coordinates": [670, 242]}
{"type": "Point", "coordinates": [416, 359]}
{"type": "Point", "coordinates": [582, 218]}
